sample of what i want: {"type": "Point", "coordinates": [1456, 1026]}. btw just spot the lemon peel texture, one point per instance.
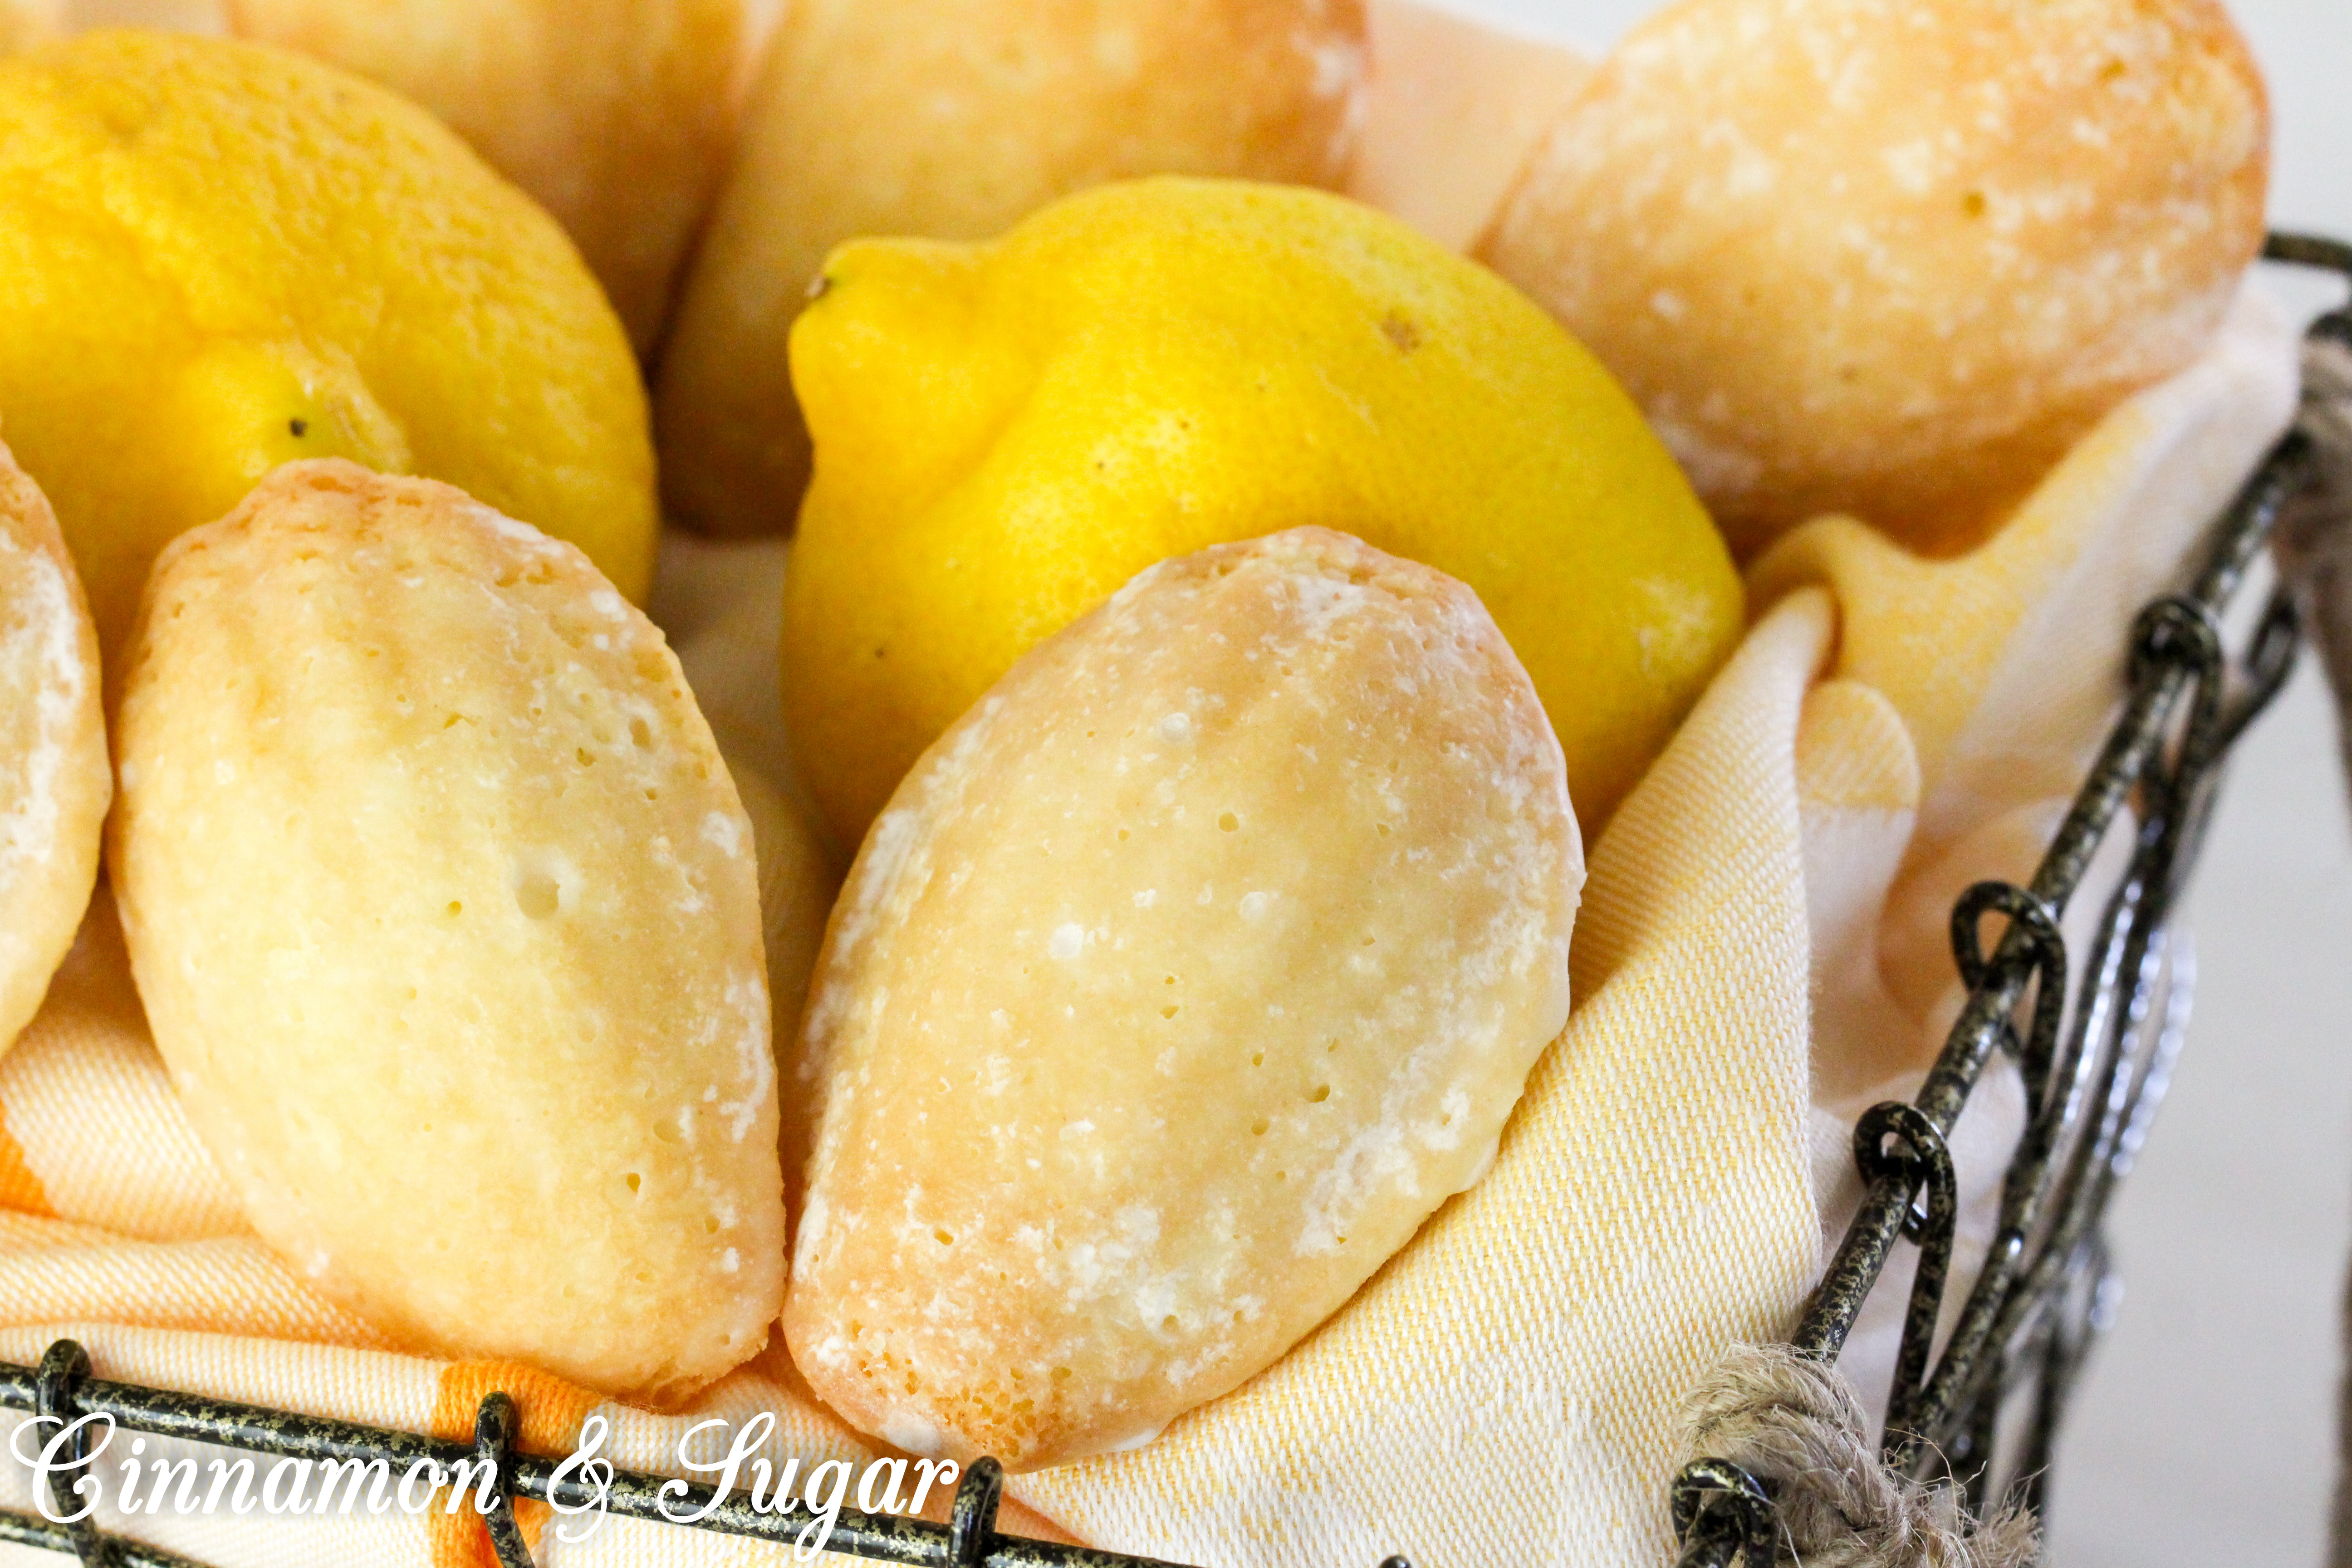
{"type": "Point", "coordinates": [1005, 433]}
{"type": "Point", "coordinates": [217, 257]}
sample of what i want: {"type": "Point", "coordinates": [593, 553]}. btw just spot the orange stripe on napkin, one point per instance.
{"type": "Point", "coordinates": [20, 1188]}
{"type": "Point", "coordinates": [551, 1411]}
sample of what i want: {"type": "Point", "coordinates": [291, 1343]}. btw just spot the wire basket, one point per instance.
{"type": "Point", "coordinates": [2093, 1078]}
{"type": "Point", "coordinates": [1980, 1412]}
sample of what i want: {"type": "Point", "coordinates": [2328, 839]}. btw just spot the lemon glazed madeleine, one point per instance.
{"type": "Point", "coordinates": [1893, 260]}
{"type": "Point", "coordinates": [444, 911]}
{"type": "Point", "coordinates": [54, 779]}
{"type": "Point", "coordinates": [1185, 975]}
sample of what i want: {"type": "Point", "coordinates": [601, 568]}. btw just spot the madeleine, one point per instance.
{"type": "Point", "coordinates": [1183, 979]}
{"type": "Point", "coordinates": [1893, 260]}
{"type": "Point", "coordinates": [444, 914]}
{"type": "Point", "coordinates": [54, 778]}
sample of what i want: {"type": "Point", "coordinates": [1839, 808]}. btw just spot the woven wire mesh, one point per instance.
{"type": "Point", "coordinates": [1981, 1386]}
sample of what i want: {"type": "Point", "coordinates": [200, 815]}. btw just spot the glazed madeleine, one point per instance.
{"type": "Point", "coordinates": [54, 778]}
{"type": "Point", "coordinates": [444, 911]}
{"type": "Point", "coordinates": [1891, 260]}
{"type": "Point", "coordinates": [1181, 979]}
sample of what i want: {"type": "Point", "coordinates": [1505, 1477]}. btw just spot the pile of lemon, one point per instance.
{"type": "Point", "coordinates": [216, 258]}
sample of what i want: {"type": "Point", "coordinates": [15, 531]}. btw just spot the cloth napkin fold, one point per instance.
{"type": "Point", "coordinates": [1756, 958]}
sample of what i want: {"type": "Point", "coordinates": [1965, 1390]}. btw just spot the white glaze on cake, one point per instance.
{"type": "Point", "coordinates": [1181, 980]}
{"type": "Point", "coordinates": [54, 780]}
{"type": "Point", "coordinates": [444, 914]}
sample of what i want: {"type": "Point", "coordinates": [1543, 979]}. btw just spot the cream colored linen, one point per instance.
{"type": "Point", "coordinates": [1452, 111]}
{"type": "Point", "coordinates": [1757, 931]}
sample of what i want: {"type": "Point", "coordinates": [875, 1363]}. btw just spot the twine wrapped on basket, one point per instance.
{"type": "Point", "coordinates": [1798, 1421]}
{"type": "Point", "coordinates": [1760, 955]}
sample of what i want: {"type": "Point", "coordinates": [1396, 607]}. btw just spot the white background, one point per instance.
{"type": "Point", "coordinates": [2204, 1432]}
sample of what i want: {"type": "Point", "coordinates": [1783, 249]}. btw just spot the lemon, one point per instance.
{"type": "Point", "coordinates": [216, 258]}
{"type": "Point", "coordinates": [1005, 433]}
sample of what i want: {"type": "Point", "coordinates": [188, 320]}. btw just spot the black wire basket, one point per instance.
{"type": "Point", "coordinates": [2094, 1076]}
{"type": "Point", "coordinates": [1975, 1403]}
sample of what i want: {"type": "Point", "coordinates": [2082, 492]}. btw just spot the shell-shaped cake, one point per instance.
{"type": "Point", "coordinates": [444, 911]}
{"type": "Point", "coordinates": [1183, 979]}
{"type": "Point", "coordinates": [54, 778]}
{"type": "Point", "coordinates": [1894, 260]}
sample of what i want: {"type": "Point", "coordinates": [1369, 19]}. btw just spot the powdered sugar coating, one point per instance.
{"type": "Point", "coordinates": [54, 780]}
{"type": "Point", "coordinates": [1893, 258]}
{"type": "Point", "coordinates": [436, 892]}
{"type": "Point", "coordinates": [1183, 979]}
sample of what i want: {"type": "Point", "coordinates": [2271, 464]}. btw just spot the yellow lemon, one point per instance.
{"type": "Point", "coordinates": [1005, 433]}
{"type": "Point", "coordinates": [214, 257]}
